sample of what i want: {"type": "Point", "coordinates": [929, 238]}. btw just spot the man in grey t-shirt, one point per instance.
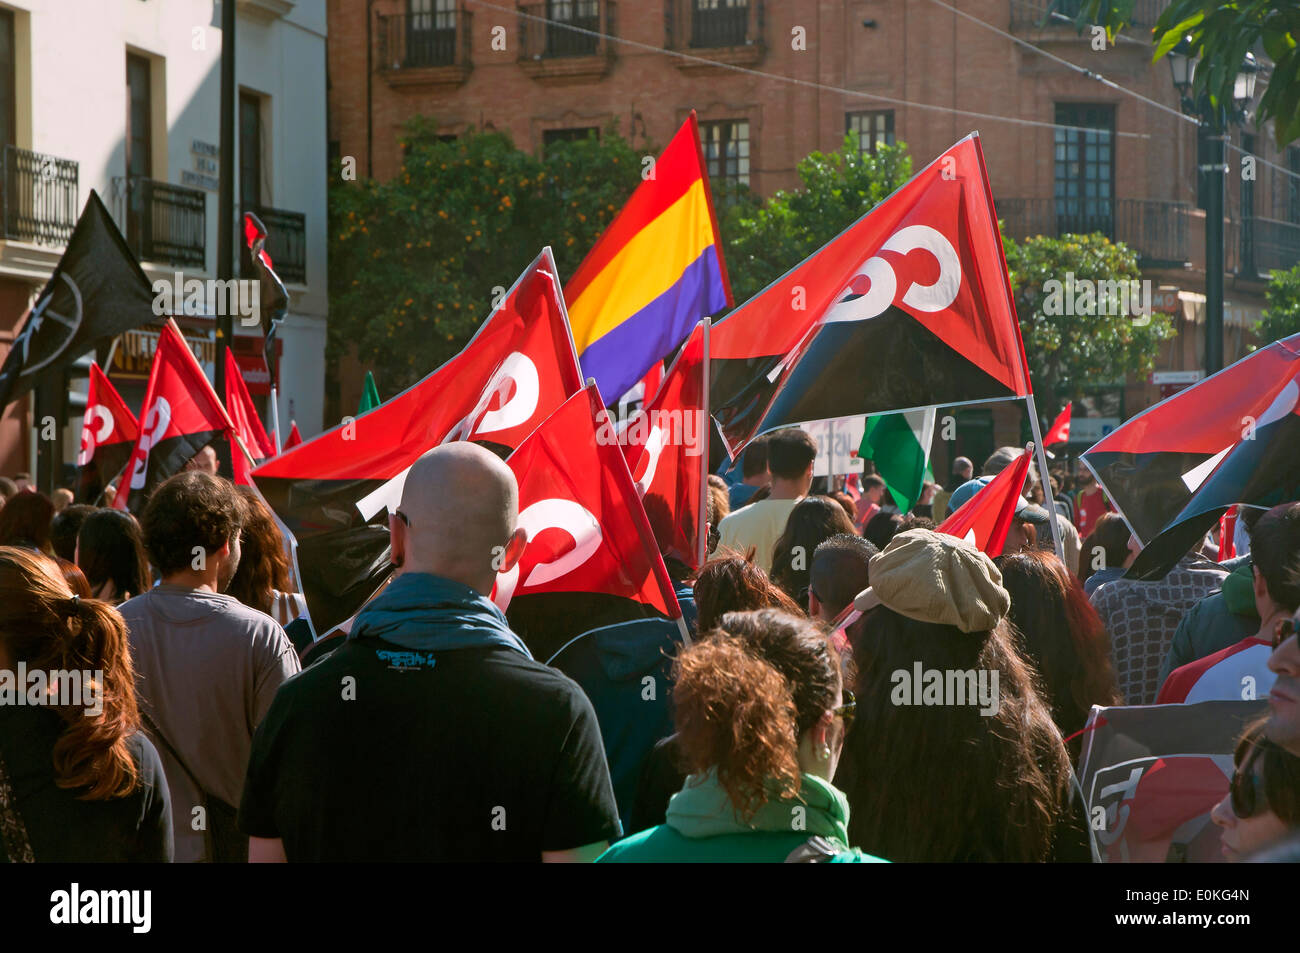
{"type": "Point", "coordinates": [206, 665]}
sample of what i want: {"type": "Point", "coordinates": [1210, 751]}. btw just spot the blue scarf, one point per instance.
{"type": "Point", "coordinates": [428, 613]}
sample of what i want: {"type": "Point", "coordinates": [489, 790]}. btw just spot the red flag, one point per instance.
{"type": "Point", "coordinates": [1060, 431]}
{"type": "Point", "coordinates": [295, 437]}
{"type": "Point", "coordinates": [985, 518]}
{"type": "Point", "coordinates": [918, 287]}
{"type": "Point", "coordinates": [1227, 534]}
{"type": "Point", "coordinates": [239, 404]}
{"type": "Point", "coordinates": [586, 532]}
{"type": "Point", "coordinates": [108, 433]}
{"type": "Point", "coordinates": [331, 491]}
{"type": "Point", "coordinates": [666, 444]}
{"type": "Point", "coordinates": [180, 416]}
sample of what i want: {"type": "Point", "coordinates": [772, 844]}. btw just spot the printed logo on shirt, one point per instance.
{"type": "Point", "coordinates": [408, 661]}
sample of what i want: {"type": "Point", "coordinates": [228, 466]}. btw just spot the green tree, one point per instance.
{"type": "Point", "coordinates": [765, 240]}
{"type": "Point", "coordinates": [1282, 316]}
{"type": "Point", "coordinates": [1221, 34]}
{"type": "Point", "coordinates": [415, 261]}
{"type": "Point", "coordinates": [1076, 338]}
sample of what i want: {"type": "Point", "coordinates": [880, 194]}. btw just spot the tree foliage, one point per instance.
{"type": "Point", "coordinates": [1089, 339]}
{"type": "Point", "coordinates": [1282, 316]}
{"type": "Point", "coordinates": [415, 262]}
{"type": "Point", "coordinates": [1221, 34]}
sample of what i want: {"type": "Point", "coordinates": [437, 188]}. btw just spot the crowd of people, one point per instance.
{"type": "Point", "coordinates": [426, 728]}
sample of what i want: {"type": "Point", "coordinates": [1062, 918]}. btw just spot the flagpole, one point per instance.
{"type": "Point", "coordinates": [702, 543]}
{"type": "Point", "coordinates": [275, 416]}
{"type": "Point", "coordinates": [1044, 479]}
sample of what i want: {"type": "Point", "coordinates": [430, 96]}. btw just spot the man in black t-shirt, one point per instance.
{"type": "Point", "coordinates": [432, 734]}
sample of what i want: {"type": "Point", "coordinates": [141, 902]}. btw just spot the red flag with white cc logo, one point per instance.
{"type": "Point", "coordinates": [108, 434]}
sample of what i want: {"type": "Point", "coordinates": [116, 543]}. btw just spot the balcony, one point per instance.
{"type": "Point", "coordinates": [165, 223]}
{"type": "Point", "coordinates": [565, 41]}
{"type": "Point", "coordinates": [1030, 15]}
{"type": "Point", "coordinates": [424, 49]}
{"type": "Point", "coordinates": [726, 31]}
{"type": "Point", "coordinates": [1157, 231]}
{"type": "Point", "coordinates": [1263, 245]}
{"type": "Point", "coordinates": [41, 199]}
{"type": "Point", "coordinates": [286, 242]}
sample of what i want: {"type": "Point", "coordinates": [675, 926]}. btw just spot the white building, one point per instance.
{"type": "Point", "coordinates": [124, 96]}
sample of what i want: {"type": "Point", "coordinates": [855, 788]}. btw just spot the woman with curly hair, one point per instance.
{"type": "Point", "coordinates": [813, 520]}
{"type": "Point", "coordinates": [760, 713]}
{"type": "Point", "coordinates": [78, 780]}
{"type": "Point", "coordinates": [1061, 634]}
{"type": "Point", "coordinates": [954, 756]}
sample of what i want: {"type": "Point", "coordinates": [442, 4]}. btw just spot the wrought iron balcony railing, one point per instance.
{"type": "Point", "coordinates": [41, 199]}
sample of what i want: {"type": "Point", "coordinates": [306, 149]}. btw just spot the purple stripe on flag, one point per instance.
{"type": "Point", "coordinates": [623, 355]}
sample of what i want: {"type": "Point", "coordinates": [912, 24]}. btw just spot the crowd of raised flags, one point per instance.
{"type": "Point", "coordinates": [909, 309]}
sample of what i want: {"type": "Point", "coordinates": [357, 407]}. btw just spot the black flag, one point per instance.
{"type": "Point", "coordinates": [97, 291]}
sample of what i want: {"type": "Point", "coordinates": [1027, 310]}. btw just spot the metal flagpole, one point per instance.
{"type": "Point", "coordinates": [706, 430]}
{"type": "Point", "coordinates": [1044, 479]}
{"type": "Point", "coordinates": [275, 416]}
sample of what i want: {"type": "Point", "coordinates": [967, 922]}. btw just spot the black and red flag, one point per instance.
{"type": "Point", "coordinates": [273, 299]}
{"type": "Point", "coordinates": [108, 433]}
{"type": "Point", "coordinates": [179, 417]}
{"type": "Point", "coordinates": [985, 518]}
{"type": "Point", "coordinates": [909, 307]}
{"type": "Point", "coordinates": [239, 404]}
{"type": "Point", "coordinates": [333, 490]}
{"type": "Point", "coordinates": [1261, 470]}
{"type": "Point", "coordinates": [591, 558]}
{"type": "Point", "coordinates": [666, 444]}
{"type": "Point", "coordinates": [1153, 465]}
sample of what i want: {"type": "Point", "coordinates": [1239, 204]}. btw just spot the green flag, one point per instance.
{"type": "Point", "coordinates": [899, 446]}
{"type": "Point", "coordinates": [369, 395]}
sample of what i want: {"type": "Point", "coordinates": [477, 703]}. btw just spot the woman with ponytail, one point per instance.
{"type": "Point", "coordinates": [78, 780]}
{"type": "Point", "coordinates": [761, 715]}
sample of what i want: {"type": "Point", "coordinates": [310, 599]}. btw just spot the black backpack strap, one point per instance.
{"type": "Point", "coordinates": [815, 850]}
{"type": "Point", "coordinates": [13, 832]}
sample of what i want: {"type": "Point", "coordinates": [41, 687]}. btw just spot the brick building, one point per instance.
{"type": "Point", "coordinates": [861, 66]}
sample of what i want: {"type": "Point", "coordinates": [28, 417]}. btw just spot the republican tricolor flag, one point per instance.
{"type": "Point", "coordinates": [654, 272]}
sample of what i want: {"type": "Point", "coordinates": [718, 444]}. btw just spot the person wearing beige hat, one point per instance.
{"type": "Point", "coordinates": [954, 757]}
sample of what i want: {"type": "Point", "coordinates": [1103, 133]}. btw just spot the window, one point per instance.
{"type": "Point", "coordinates": [1084, 168]}
{"type": "Point", "coordinates": [430, 32]}
{"type": "Point", "coordinates": [872, 128]}
{"type": "Point", "coordinates": [575, 134]}
{"type": "Point", "coordinates": [139, 141]}
{"type": "Point", "coordinates": [718, 23]}
{"type": "Point", "coordinates": [8, 79]}
{"type": "Point", "coordinates": [561, 41]}
{"type": "Point", "coordinates": [726, 153]}
{"type": "Point", "coordinates": [250, 151]}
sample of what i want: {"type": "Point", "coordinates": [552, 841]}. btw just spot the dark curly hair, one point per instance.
{"type": "Point", "coordinates": [188, 510]}
{"type": "Point", "coordinates": [745, 694]}
{"type": "Point", "coordinates": [732, 584]}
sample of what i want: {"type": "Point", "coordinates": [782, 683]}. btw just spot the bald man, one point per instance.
{"type": "Point", "coordinates": [432, 734]}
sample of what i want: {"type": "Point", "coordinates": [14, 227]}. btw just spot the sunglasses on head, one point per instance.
{"type": "Point", "coordinates": [1247, 798]}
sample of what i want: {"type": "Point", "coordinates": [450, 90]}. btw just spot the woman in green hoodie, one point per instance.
{"type": "Point", "coordinates": [761, 714]}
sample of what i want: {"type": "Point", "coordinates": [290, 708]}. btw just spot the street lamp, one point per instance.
{"type": "Point", "coordinates": [1213, 122]}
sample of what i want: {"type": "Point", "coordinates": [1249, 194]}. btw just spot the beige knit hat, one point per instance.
{"type": "Point", "coordinates": [934, 577]}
